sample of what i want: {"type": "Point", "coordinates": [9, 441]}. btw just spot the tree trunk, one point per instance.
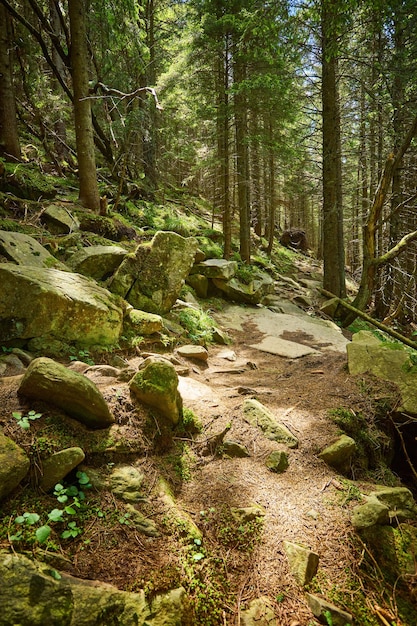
{"type": "Point", "coordinates": [370, 259]}
{"type": "Point", "coordinates": [223, 156]}
{"type": "Point", "coordinates": [9, 137]}
{"type": "Point", "coordinates": [61, 147]}
{"type": "Point", "coordinates": [242, 161]}
{"type": "Point", "coordinates": [333, 245]}
{"type": "Point", "coordinates": [88, 188]}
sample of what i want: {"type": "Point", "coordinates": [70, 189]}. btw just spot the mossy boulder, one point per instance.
{"type": "Point", "coordinates": [14, 465]}
{"type": "Point", "coordinates": [140, 323]}
{"type": "Point", "coordinates": [388, 361]}
{"type": "Point", "coordinates": [58, 465]}
{"type": "Point", "coordinates": [35, 593]}
{"type": "Point", "coordinates": [37, 302]}
{"type": "Point", "coordinates": [156, 384]}
{"type": "Point", "coordinates": [59, 220]}
{"type": "Point", "coordinates": [259, 416]}
{"type": "Point", "coordinates": [151, 278]}
{"type": "Point", "coordinates": [72, 392]}
{"type": "Point", "coordinates": [98, 262]}
{"type": "Point", "coordinates": [22, 249]}
{"type": "Point", "coordinates": [339, 453]}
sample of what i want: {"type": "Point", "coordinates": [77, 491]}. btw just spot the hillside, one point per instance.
{"type": "Point", "coordinates": [243, 510]}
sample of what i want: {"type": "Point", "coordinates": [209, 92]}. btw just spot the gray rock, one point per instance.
{"type": "Point", "coordinates": [303, 562]}
{"type": "Point", "coordinates": [259, 416]}
{"type": "Point", "coordinates": [24, 250]}
{"type": "Point", "coordinates": [38, 303]}
{"type": "Point", "coordinates": [59, 220]}
{"type": "Point", "coordinates": [193, 352]}
{"type": "Point", "coordinates": [58, 465]}
{"type": "Point", "coordinates": [322, 609]}
{"type": "Point", "coordinates": [14, 465]}
{"type": "Point", "coordinates": [72, 392]}
{"type": "Point", "coordinates": [151, 278]}
{"type": "Point", "coordinates": [215, 268]}
{"type": "Point", "coordinates": [339, 453]}
{"type": "Point", "coordinates": [31, 594]}
{"type": "Point", "coordinates": [156, 384]}
{"type": "Point", "coordinates": [260, 612]}
{"type": "Point", "coordinates": [277, 461]}
{"type": "Point", "coordinates": [176, 514]}
{"type": "Point", "coordinates": [126, 482]}
{"type": "Point", "coordinates": [98, 262]}
{"type": "Point", "coordinates": [399, 501]}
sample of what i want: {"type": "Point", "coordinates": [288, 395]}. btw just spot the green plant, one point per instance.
{"type": "Point", "coordinates": [190, 423]}
{"type": "Point", "coordinates": [24, 420]}
{"type": "Point", "coordinates": [72, 497]}
{"type": "Point", "coordinates": [82, 355]}
{"type": "Point", "coordinates": [198, 325]}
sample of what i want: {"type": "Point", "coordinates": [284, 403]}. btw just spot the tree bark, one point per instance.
{"type": "Point", "coordinates": [242, 160]}
{"type": "Point", "coordinates": [333, 244]}
{"type": "Point", "coordinates": [370, 259]}
{"type": "Point", "coordinates": [88, 189]}
{"type": "Point", "coordinates": [9, 137]}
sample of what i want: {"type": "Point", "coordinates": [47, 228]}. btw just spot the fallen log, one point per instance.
{"type": "Point", "coordinates": [371, 320]}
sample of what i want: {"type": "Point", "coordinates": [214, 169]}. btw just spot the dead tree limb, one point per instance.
{"type": "Point", "coordinates": [371, 320]}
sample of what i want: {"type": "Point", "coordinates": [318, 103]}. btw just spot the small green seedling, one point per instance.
{"type": "Point", "coordinates": [24, 420]}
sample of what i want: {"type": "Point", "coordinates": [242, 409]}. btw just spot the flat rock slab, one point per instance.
{"type": "Point", "coordinates": [281, 347]}
{"type": "Point", "coordinates": [286, 335]}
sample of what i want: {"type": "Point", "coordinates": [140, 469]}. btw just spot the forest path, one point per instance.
{"type": "Point", "coordinates": [306, 503]}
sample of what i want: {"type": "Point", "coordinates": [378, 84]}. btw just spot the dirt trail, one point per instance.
{"type": "Point", "coordinates": [302, 504]}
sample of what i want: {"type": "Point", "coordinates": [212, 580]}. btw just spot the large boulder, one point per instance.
{"type": "Point", "coordinates": [37, 302]}
{"type": "Point", "coordinates": [22, 249]}
{"type": "Point", "coordinates": [14, 465]}
{"type": "Point", "coordinates": [251, 293]}
{"type": "Point", "coordinates": [98, 262]}
{"type": "Point", "coordinates": [59, 220]}
{"type": "Point", "coordinates": [34, 593]}
{"type": "Point", "coordinates": [156, 384]}
{"type": "Point", "coordinates": [215, 268]}
{"type": "Point", "coordinates": [70, 391]}
{"type": "Point", "coordinates": [389, 361]}
{"type": "Point", "coordinates": [151, 278]}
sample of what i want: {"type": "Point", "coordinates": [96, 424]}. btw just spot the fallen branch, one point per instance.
{"type": "Point", "coordinates": [371, 320]}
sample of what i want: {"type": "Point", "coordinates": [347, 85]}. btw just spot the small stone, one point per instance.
{"type": "Point", "coordinates": [303, 562]}
{"type": "Point", "coordinates": [233, 449]}
{"type": "Point", "coordinates": [277, 461]}
{"type": "Point", "coordinates": [126, 482]}
{"type": "Point", "coordinates": [339, 453]}
{"type": "Point", "coordinates": [193, 352]}
{"type": "Point", "coordinates": [321, 609]}
{"type": "Point", "coordinates": [58, 465]}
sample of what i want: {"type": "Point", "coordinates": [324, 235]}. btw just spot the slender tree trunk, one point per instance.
{"type": "Point", "coordinates": [333, 244]}
{"type": "Point", "coordinates": [60, 142]}
{"type": "Point", "coordinates": [9, 137]}
{"type": "Point", "coordinates": [242, 164]}
{"type": "Point", "coordinates": [223, 156]}
{"type": "Point", "coordinates": [88, 191]}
